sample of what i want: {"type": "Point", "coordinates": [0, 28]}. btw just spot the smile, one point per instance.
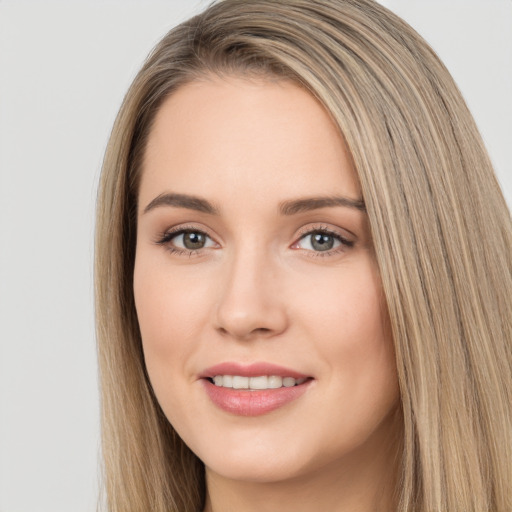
{"type": "Point", "coordinates": [261, 382]}
{"type": "Point", "coordinates": [255, 389]}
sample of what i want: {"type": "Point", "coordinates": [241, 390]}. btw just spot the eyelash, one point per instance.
{"type": "Point", "coordinates": [324, 230]}
{"type": "Point", "coordinates": [166, 238]}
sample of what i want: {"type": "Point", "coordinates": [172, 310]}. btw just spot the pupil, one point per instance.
{"type": "Point", "coordinates": [322, 242]}
{"type": "Point", "coordinates": [193, 240]}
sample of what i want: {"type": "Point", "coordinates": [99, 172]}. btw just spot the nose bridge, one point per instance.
{"type": "Point", "coordinates": [249, 300]}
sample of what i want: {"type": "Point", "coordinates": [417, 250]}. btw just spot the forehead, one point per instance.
{"type": "Point", "coordinates": [260, 138]}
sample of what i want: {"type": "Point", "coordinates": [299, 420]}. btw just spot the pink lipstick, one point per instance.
{"type": "Point", "coordinates": [255, 389]}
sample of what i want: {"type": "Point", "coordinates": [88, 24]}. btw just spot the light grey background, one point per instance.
{"type": "Point", "coordinates": [64, 67]}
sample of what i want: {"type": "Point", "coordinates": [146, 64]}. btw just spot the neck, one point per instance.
{"type": "Point", "coordinates": [364, 481]}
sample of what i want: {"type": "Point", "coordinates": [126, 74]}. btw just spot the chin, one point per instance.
{"type": "Point", "coordinates": [244, 468]}
{"type": "Point", "coordinates": [253, 456]}
{"type": "Point", "coordinates": [266, 458]}
{"type": "Point", "coordinates": [260, 454]}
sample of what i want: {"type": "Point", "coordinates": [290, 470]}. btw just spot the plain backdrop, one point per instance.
{"type": "Point", "coordinates": [64, 68]}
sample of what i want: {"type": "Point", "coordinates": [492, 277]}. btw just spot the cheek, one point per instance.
{"type": "Point", "coordinates": [349, 323]}
{"type": "Point", "coordinates": [367, 340]}
{"type": "Point", "coordinates": [171, 311]}
{"type": "Point", "coordinates": [346, 312]}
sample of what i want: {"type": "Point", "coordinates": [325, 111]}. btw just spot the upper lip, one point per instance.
{"type": "Point", "coordinates": [255, 369]}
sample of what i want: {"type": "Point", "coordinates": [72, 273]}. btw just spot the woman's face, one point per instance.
{"type": "Point", "coordinates": [254, 269]}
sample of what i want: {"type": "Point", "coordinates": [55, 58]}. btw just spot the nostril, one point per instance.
{"type": "Point", "coordinates": [249, 334]}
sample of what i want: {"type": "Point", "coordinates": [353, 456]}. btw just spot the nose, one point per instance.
{"type": "Point", "coordinates": [250, 304]}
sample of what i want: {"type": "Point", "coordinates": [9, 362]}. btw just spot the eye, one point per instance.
{"type": "Point", "coordinates": [322, 240]}
{"type": "Point", "coordinates": [186, 240]}
{"type": "Point", "coordinates": [192, 240]}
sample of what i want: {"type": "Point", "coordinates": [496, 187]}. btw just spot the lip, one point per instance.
{"type": "Point", "coordinates": [252, 402]}
{"type": "Point", "coordinates": [250, 370]}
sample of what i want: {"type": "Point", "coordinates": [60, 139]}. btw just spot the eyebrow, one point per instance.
{"type": "Point", "coordinates": [182, 201]}
{"type": "Point", "coordinates": [287, 208]}
{"type": "Point", "coordinates": [315, 203]}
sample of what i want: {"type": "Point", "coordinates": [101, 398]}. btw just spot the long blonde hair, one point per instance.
{"type": "Point", "coordinates": [441, 229]}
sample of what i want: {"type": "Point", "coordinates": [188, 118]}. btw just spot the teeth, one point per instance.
{"type": "Point", "coordinates": [261, 382]}
{"type": "Point", "coordinates": [239, 382]}
{"type": "Point", "coordinates": [288, 382]}
{"type": "Point", "coordinates": [258, 382]}
{"type": "Point", "coordinates": [275, 382]}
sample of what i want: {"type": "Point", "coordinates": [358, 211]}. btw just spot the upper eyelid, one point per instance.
{"type": "Point", "coordinates": [306, 230]}
{"type": "Point", "coordinates": [344, 241]}
{"type": "Point", "coordinates": [164, 237]}
{"type": "Point", "coordinates": [316, 228]}
{"type": "Point", "coordinates": [183, 228]}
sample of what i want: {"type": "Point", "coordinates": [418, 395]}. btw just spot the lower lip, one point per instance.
{"type": "Point", "coordinates": [253, 403]}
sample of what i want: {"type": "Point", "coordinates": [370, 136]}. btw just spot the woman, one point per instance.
{"type": "Point", "coordinates": [303, 273]}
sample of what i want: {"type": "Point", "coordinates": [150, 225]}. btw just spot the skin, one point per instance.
{"type": "Point", "coordinates": [259, 290]}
